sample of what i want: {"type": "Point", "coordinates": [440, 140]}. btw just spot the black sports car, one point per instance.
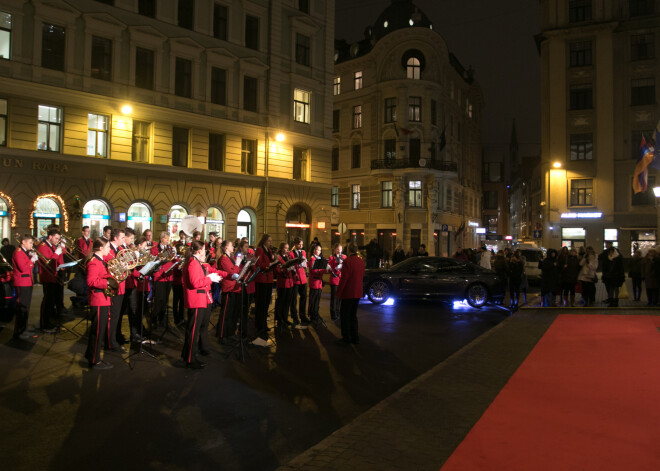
{"type": "Point", "coordinates": [427, 277]}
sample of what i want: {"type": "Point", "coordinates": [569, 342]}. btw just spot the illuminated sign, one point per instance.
{"type": "Point", "coordinates": [508, 237]}
{"type": "Point", "coordinates": [175, 219]}
{"type": "Point", "coordinates": [480, 230]}
{"type": "Point", "coordinates": [96, 217]}
{"type": "Point", "coordinates": [122, 217]}
{"type": "Point", "coordinates": [320, 225]}
{"type": "Point", "coordinates": [297, 224]}
{"type": "Point", "coordinates": [46, 215]}
{"type": "Point", "coordinates": [473, 224]}
{"type": "Point", "coordinates": [3, 213]}
{"type": "Point", "coordinates": [139, 218]}
{"type": "Point", "coordinates": [214, 221]}
{"type": "Point", "coordinates": [581, 215]}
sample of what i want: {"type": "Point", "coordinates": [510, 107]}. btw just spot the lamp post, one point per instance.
{"type": "Point", "coordinates": [555, 165]}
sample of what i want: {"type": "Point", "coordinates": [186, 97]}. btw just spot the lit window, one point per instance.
{"type": "Point", "coordinates": [582, 192]}
{"type": "Point", "coordinates": [5, 35]}
{"type": "Point", "coordinates": [49, 128]}
{"type": "Point", "coordinates": [413, 68]}
{"type": "Point", "coordinates": [97, 135]}
{"type": "Point", "coordinates": [334, 196]}
{"type": "Point", "coordinates": [301, 106]}
{"type": "Point", "coordinates": [141, 139]}
{"type": "Point", "coordinates": [415, 193]}
{"type": "Point", "coordinates": [355, 196]}
{"type": "Point", "coordinates": [386, 194]}
{"type": "Point", "coordinates": [415, 108]}
{"type": "Point", "coordinates": [357, 117]}
{"type": "Point", "coordinates": [358, 80]}
{"type": "Point", "coordinates": [336, 86]}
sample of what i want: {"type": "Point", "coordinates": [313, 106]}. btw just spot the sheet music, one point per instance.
{"type": "Point", "coordinates": [246, 267]}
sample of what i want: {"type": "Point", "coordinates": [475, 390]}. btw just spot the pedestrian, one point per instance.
{"type": "Point", "coordinates": [650, 274]}
{"type": "Point", "coordinates": [515, 271]}
{"type": "Point", "coordinates": [484, 260]}
{"type": "Point", "coordinates": [635, 274]}
{"type": "Point", "coordinates": [410, 253]}
{"type": "Point", "coordinates": [399, 255]}
{"type": "Point", "coordinates": [550, 283]}
{"type": "Point", "coordinates": [374, 253]}
{"type": "Point", "coordinates": [613, 275]}
{"type": "Point", "coordinates": [349, 292]}
{"type": "Point", "coordinates": [421, 251]}
{"type": "Point", "coordinates": [569, 269]}
{"type": "Point", "coordinates": [587, 276]}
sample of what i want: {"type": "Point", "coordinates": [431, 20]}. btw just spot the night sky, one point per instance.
{"type": "Point", "coordinates": [496, 38]}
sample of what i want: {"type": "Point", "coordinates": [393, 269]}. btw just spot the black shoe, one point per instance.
{"type": "Point", "coordinates": [119, 349]}
{"type": "Point", "coordinates": [102, 365]}
{"type": "Point", "coordinates": [122, 340]}
{"type": "Point", "coordinates": [195, 365]}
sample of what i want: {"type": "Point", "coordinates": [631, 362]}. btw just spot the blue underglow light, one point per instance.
{"type": "Point", "coordinates": [389, 302]}
{"type": "Point", "coordinates": [461, 304]}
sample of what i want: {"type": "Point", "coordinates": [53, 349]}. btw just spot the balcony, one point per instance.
{"type": "Point", "coordinates": [394, 164]}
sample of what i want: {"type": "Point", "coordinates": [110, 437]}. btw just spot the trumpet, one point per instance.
{"type": "Point", "coordinates": [42, 261]}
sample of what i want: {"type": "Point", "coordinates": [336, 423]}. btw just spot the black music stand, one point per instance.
{"type": "Point", "coordinates": [240, 347]}
{"type": "Point", "coordinates": [167, 317]}
{"type": "Point", "coordinates": [320, 264]}
{"type": "Point", "coordinates": [145, 272]}
{"type": "Point", "coordinates": [60, 326]}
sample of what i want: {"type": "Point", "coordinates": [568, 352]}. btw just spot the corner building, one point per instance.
{"type": "Point", "coordinates": [137, 113]}
{"type": "Point", "coordinates": [599, 76]}
{"type": "Point", "coordinates": [407, 138]}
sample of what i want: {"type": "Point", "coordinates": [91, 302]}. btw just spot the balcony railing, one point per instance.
{"type": "Point", "coordinates": [392, 164]}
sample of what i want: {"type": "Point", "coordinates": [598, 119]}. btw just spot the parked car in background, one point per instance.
{"type": "Point", "coordinates": [434, 277]}
{"type": "Point", "coordinates": [533, 255]}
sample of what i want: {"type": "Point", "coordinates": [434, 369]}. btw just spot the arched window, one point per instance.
{"type": "Point", "coordinates": [215, 222]}
{"type": "Point", "coordinates": [298, 224]}
{"type": "Point", "coordinates": [413, 68]}
{"type": "Point", "coordinates": [5, 219]}
{"type": "Point", "coordinates": [139, 218]}
{"type": "Point", "coordinates": [175, 215]}
{"type": "Point", "coordinates": [46, 212]}
{"type": "Point", "coordinates": [245, 226]}
{"type": "Point", "coordinates": [96, 214]}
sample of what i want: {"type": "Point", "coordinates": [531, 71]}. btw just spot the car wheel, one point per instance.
{"type": "Point", "coordinates": [476, 295]}
{"type": "Point", "coordinates": [379, 291]}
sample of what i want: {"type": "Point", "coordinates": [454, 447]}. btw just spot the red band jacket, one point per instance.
{"type": "Point", "coordinates": [350, 283]}
{"type": "Point", "coordinates": [23, 265]}
{"type": "Point", "coordinates": [54, 260]}
{"type": "Point", "coordinates": [300, 274]}
{"type": "Point", "coordinates": [334, 262]}
{"type": "Point", "coordinates": [315, 275]}
{"type": "Point", "coordinates": [112, 254]}
{"type": "Point", "coordinates": [84, 246]}
{"type": "Point", "coordinates": [196, 285]}
{"type": "Point", "coordinates": [159, 275]}
{"type": "Point", "coordinates": [97, 281]}
{"type": "Point", "coordinates": [266, 257]}
{"type": "Point", "coordinates": [284, 275]}
{"type": "Point", "coordinates": [229, 267]}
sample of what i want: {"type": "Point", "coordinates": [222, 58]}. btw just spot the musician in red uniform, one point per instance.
{"type": "Point", "coordinates": [140, 292]}
{"type": "Point", "coordinates": [350, 292]}
{"type": "Point", "coordinates": [162, 284]}
{"type": "Point", "coordinates": [284, 287]}
{"type": "Point", "coordinates": [177, 284]}
{"type": "Point", "coordinates": [197, 296]}
{"type": "Point", "coordinates": [315, 285]}
{"type": "Point", "coordinates": [231, 293]}
{"type": "Point", "coordinates": [52, 257]}
{"type": "Point", "coordinates": [335, 263]}
{"type": "Point", "coordinates": [97, 282]}
{"type": "Point", "coordinates": [149, 236]}
{"type": "Point", "coordinates": [241, 257]}
{"type": "Point", "coordinates": [23, 262]}
{"type": "Point", "coordinates": [263, 290]}
{"type": "Point", "coordinates": [299, 292]}
{"type": "Point", "coordinates": [114, 339]}
{"type": "Point", "coordinates": [84, 244]}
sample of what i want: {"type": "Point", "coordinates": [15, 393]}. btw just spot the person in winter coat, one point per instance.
{"type": "Point", "coordinates": [613, 275]}
{"type": "Point", "coordinates": [635, 274]}
{"type": "Point", "coordinates": [587, 276]}
{"type": "Point", "coordinates": [399, 255]}
{"type": "Point", "coordinates": [484, 260]}
{"type": "Point", "coordinates": [550, 282]}
{"type": "Point", "coordinates": [350, 292]}
{"type": "Point", "coordinates": [569, 269]}
{"type": "Point", "coordinates": [650, 268]}
{"type": "Point", "coordinates": [515, 271]}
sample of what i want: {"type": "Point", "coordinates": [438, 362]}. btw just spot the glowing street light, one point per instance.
{"type": "Point", "coordinates": [557, 165]}
{"type": "Point", "coordinates": [126, 109]}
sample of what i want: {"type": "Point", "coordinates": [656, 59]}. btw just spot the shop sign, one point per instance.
{"type": "Point", "coordinates": [3, 213]}
{"type": "Point", "coordinates": [214, 221]}
{"type": "Point", "coordinates": [122, 217]}
{"type": "Point", "coordinates": [581, 215]}
{"type": "Point", "coordinates": [44, 166]}
{"type": "Point", "coordinates": [47, 215]}
{"type": "Point", "coordinates": [320, 225]}
{"type": "Point", "coordinates": [96, 217]}
{"type": "Point", "coordinates": [144, 218]}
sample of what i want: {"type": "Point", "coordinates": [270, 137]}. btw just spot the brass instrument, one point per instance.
{"type": "Point", "coordinates": [42, 261]}
{"type": "Point", "coordinates": [166, 255]}
{"type": "Point", "coordinates": [145, 256]}
{"type": "Point", "coordinates": [119, 268]}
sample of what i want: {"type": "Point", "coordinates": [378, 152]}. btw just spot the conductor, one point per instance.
{"type": "Point", "coordinates": [350, 292]}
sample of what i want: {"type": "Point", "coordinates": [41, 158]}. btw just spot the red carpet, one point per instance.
{"type": "Point", "coordinates": [586, 398]}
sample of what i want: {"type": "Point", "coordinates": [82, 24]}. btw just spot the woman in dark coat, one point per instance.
{"type": "Point", "coordinates": [515, 271]}
{"type": "Point", "coordinates": [399, 255]}
{"type": "Point", "coordinates": [635, 274]}
{"type": "Point", "coordinates": [570, 268]}
{"type": "Point", "coordinates": [613, 275]}
{"type": "Point", "coordinates": [550, 282]}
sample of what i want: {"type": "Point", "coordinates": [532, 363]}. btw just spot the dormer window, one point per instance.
{"type": "Point", "coordinates": [413, 68]}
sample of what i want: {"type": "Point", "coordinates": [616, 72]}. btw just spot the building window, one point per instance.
{"type": "Point", "coordinates": [303, 6]}
{"type": "Point", "coordinates": [390, 110]}
{"type": "Point", "coordinates": [301, 106]}
{"type": "Point", "coordinates": [252, 32]}
{"type": "Point", "coordinates": [413, 68]}
{"type": "Point", "coordinates": [250, 86]}
{"type": "Point", "coordinates": [579, 10]}
{"type": "Point", "coordinates": [3, 122]}
{"type": "Point", "coordinates": [144, 68]}
{"type": "Point", "coordinates": [580, 53]}
{"type": "Point", "coordinates": [490, 200]}
{"type": "Point", "coordinates": [183, 78]}
{"type": "Point", "coordinates": [415, 194]}
{"type": "Point", "coordinates": [415, 108]}
{"type": "Point", "coordinates": [249, 156]}
{"type": "Point", "coordinates": [101, 58]}
{"type": "Point", "coordinates": [300, 163]}
{"type": "Point", "coordinates": [582, 146]}
{"type": "Point", "coordinates": [302, 49]}
{"type": "Point", "coordinates": [220, 21]}
{"type": "Point", "coordinates": [334, 196]}
{"type": "Point", "coordinates": [97, 135]}
{"type": "Point", "coordinates": [642, 47]}
{"type": "Point", "coordinates": [434, 112]}
{"type": "Point", "coordinates": [357, 117]}
{"type": "Point", "coordinates": [389, 149]}
{"type": "Point", "coordinates": [642, 91]}
{"type": "Point", "coordinates": [414, 150]}
{"type": "Point", "coordinates": [356, 156]}
{"type": "Point", "coordinates": [5, 35]}
{"type": "Point", "coordinates": [141, 138]}
{"type": "Point", "coordinates": [335, 120]}
{"type": "Point", "coordinates": [581, 97]}
{"type": "Point", "coordinates": [147, 8]}
{"type": "Point", "coordinates": [53, 46]}
{"type": "Point", "coordinates": [641, 7]}
{"type": "Point", "coordinates": [335, 158]}
{"type": "Point", "coordinates": [336, 86]}
{"type": "Point", "coordinates": [357, 80]}
{"type": "Point", "coordinates": [218, 86]}
{"type": "Point", "coordinates": [582, 192]}
{"type": "Point", "coordinates": [180, 147]}
{"type": "Point", "coordinates": [186, 13]}
{"type": "Point", "coordinates": [636, 140]}
{"type": "Point", "coordinates": [49, 128]}
{"type": "Point", "coordinates": [449, 202]}
{"type": "Point", "coordinates": [216, 152]}
{"type": "Point", "coordinates": [355, 196]}
{"type": "Point", "coordinates": [385, 194]}
{"type": "Point", "coordinates": [645, 198]}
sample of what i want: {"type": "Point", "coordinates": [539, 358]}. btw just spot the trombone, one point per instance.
{"type": "Point", "coordinates": [44, 262]}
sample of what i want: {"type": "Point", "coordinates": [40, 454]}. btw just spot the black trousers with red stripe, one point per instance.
{"type": "Point", "coordinates": [314, 301]}
{"type": "Point", "coordinates": [114, 325]}
{"type": "Point", "coordinates": [229, 312]}
{"type": "Point", "coordinates": [22, 308]}
{"type": "Point", "coordinates": [48, 317]}
{"type": "Point", "coordinates": [96, 333]}
{"type": "Point", "coordinates": [196, 331]}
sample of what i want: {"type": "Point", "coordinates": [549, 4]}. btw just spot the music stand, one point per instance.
{"type": "Point", "coordinates": [167, 317]}
{"type": "Point", "coordinates": [320, 264]}
{"type": "Point", "coordinates": [60, 326]}
{"type": "Point", "coordinates": [147, 270]}
{"type": "Point", "coordinates": [240, 347]}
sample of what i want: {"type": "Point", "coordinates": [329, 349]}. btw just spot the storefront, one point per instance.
{"type": "Point", "coordinates": [245, 226]}
{"type": "Point", "coordinates": [387, 241]}
{"type": "Point", "coordinates": [573, 237]}
{"type": "Point", "coordinates": [642, 240]}
{"type": "Point", "coordinates": [174, 217]}
{"type": "Point", "coordinates": [48, 209]}
{"type": "Point", "coordinates": [5, 217]}
{"type": "Point", "coordinates": [215, 222]}
{"type": "Point", "coordinates": [298, 225]}
{"type": "Point", "coordinates": [96, 215]}
{"type": "Point", "coordinates": [139, 218]}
